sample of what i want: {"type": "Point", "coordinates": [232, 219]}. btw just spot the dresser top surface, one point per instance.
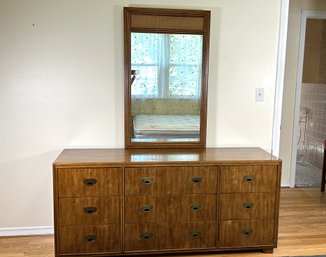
{"type": "Point", "coordinates": [150, 156]}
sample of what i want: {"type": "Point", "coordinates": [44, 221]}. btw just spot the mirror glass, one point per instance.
{"type": "Point", "coordinates": [166, 75]}
{"type": "Point", "coordinates": [166, 86]}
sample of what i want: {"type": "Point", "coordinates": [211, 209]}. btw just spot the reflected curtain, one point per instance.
{"type": "Point", "coordinates": [167, 65]}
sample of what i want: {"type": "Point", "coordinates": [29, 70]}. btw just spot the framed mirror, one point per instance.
{"type": "Point", "coordinates": [166, 73]}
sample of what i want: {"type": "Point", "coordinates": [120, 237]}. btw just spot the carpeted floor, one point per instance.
{"type": "Point", "coordinates": [307, 175]}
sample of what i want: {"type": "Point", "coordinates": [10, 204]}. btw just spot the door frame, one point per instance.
{"type": "Point", "coordinates": [279, 84]}
{"type": "Point", "coordinates": [306, 14]}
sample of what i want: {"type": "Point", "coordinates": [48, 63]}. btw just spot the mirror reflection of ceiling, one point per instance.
{"type": "Point", "coordinates": [166, 72]}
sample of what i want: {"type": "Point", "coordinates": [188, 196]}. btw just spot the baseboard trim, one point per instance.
{"type": "Point", "coordinates": [27, 231]}
{"type": "Point", "coordinates": [286, 184]}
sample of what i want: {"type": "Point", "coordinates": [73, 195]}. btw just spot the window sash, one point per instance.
{"type": "Point", "coordinates": [160, 82]}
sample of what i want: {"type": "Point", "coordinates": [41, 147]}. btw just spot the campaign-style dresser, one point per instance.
{"type": "Point", "coordinates": [150, 201]}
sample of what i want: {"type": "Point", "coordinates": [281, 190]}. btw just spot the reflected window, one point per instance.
{"type": "Point", "coordinates": [166, 65]}
{"type": "Point", "coordinates": [166, 73]}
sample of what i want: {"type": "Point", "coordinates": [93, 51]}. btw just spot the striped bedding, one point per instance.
{"type": "Point", "coordinates": [166, 125]}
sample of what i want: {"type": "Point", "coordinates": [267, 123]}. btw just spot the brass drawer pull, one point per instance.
{"type": "Point", "coordinates": [248, 205]}
{"type": "Point", "coordinates": [247, 232]}
{"type": "Point", "coordinates": [196, 180]}
{"type": "Point", "coordinates": [146, 236]}
{"type": "Point", "coordinates": [90, 210]}
{"type": "Point", "coordinates": [249, 178]}
{"type": "Point", "coordinates": [90, 238]}
{"type": "Point", "coordinates": [146, 181]}
{"type": "Point", "coordinates": [90, 181]}
{"type": "Point", "coordinates": [195, 234]}
{"type": "Point", "coordinates": [195, 207]}
{"type": "Point", "coordinates": [147, 208]}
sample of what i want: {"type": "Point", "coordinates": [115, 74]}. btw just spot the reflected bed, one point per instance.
{"type": "Point", "coordinates": [184, 126]}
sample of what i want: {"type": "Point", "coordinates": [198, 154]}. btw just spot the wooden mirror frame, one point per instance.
{"type": "Point", "coordinates": [176, 21]}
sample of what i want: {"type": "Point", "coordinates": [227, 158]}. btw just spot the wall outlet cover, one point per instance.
{"type": "Point", "coordinates": [260, 96]}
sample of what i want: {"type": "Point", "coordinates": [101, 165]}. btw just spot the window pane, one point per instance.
{"type": "Point", "coordinates": [184, 82]}
{"type": "Point", "coordinates": [167, 65]}
{"type": "Point", "coordinates": [145, 84]}
{"type": "Point", "coordinates": [144, 48]}
{"type": "Point", "coordinates": [185, 65]}
{"type": "Point", "coordinates": [186, 49]}
{"type": "Point", "coordinates": [144, 59]}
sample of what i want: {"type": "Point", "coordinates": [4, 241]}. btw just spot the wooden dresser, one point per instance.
{"type": "Point", "coordinates": [127, 202]}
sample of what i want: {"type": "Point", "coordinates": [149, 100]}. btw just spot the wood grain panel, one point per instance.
{"type": "Point", "coordinates": [170, 180]}
{"type": "Point", "coordinates": [160, 208]}
{"type": "Point", "coordinates": [80, 211]}
{"type": "Point", "coordinates": [107, 157]}
{"type": "Point", "coordinates": [113, 209]}
{"type": "Point", "coordinates": [113, 181]}
{"type": "Point", "coordinates": [166, 22]}
{"type": "Point", "coordinates": [77, 239]}
{"type": "Point", "coordinates": [247, 206]}
{"type": "Point", "coordinates": [322, 67]}
{"type": "Point", "coordinates": [248, 178]}
{"type": "Point", "coordinates": [197, 207]}
{"type": "Point", "coordinates": [135, 238]}
{"type": "Point", "coordinates": [314, 58]}
{"type": "Point", "coordinates": [192, 235]}
{"type": "Point", "coordinates": [179, 179]}
{"type": "Point", "coordinates": [181, 235]}
{"type": "Point", "coordinates": [302, 209]}
{"type": "Point", "coordinates": [170, 208]}
{"type": "Point", "coordinates": [72, 182]}
{"type": "Point", "coordinates": [71, 211]}
{"type": "Point", "coordinates": [246, 233]}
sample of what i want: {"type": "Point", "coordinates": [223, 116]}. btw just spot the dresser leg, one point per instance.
{"type": "Point", "coordinates": [269, 250]}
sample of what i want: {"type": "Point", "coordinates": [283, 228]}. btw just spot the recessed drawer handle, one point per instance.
{"type": "Point", "coordinates": [90, 210]}
{"type": "Point", "coordinates": [196, 180]}
{"type": "Point", "coordinates": [249, 178]}
{"type": "Point", "coordinates": [90, 181]}
{"type": "Point", "coordinates": [195, 207]}
{"type": "Point", "coordinates": [248, 205]}
{"type": "Point", "coordinates": [147, 208]}
{"type": "Point", "coordinates": [90, 238]}
{"type": "Point", "coordinates": [247, 232]}
{"type": "Point", "coordinates": [146, 181]}
{"type": "Point", "coordinates": [146, 236]}
{"type": "Point", "coordinates": [195, 234]}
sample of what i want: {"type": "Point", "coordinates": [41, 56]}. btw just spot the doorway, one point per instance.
{"type": "Point", "coordinates": [310, 114]}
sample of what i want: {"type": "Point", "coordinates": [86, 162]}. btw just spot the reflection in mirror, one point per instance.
{"type": "Point", "coordinates": [166, 77]}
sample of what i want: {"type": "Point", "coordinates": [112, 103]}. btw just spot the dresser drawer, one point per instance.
{"type": "Point", "coordinates": [194, 235]}
{"type": "Point", "coordinates": [183, 235]}
{"type": "Point", "coordinates": [147, 236]}
{"type": "Point", "coordinates": [89, 210]}
{"type": "Point", "coordinates": [248, 179]}
{"type": "Point", "coordinates": [76, 182]}
{"type": "Point", "coordinates": [90, 239]}
{"type": "Point", "coordinates": [170, 180]}
{"type": "Point", "coordinates": [247, 206]}
{"type": "Point", "coordinates": [164, 208]}
{"type": "Point", "coordinates": [246, 233]}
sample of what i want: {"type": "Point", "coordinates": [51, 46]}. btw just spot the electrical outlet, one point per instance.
{"type": "Point", "coordinates": [260, 94]}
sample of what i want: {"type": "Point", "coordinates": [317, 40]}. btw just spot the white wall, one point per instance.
{"type": "Point", "coordinates": [290, 79]}
{"type": "Point", "coordinates": [61, 85]}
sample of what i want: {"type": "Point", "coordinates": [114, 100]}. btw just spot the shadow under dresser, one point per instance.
{"type": "Point", "coordinates": [131, 202]}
